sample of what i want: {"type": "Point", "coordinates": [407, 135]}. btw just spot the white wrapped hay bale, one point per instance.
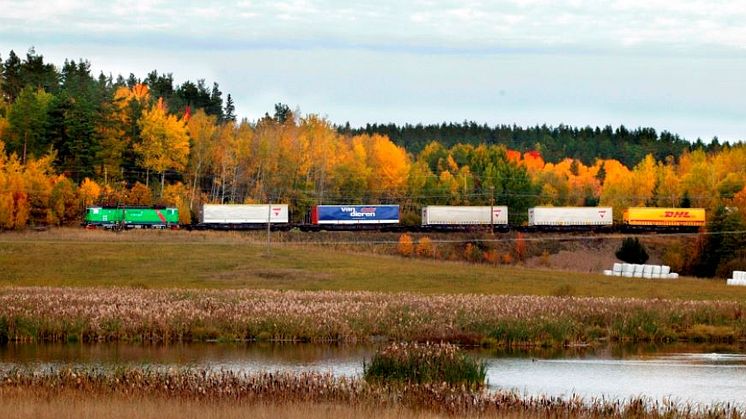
{"type": "Point", "coordinates": [736, 281]}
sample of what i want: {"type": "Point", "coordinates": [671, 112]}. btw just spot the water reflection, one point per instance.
{"type": "Point", "coordinates": [703, 374]}
{"type": "Point", "coordinates": [337, 359]}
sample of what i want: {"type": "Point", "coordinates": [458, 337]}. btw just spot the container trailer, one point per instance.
{"type": "Point", "coordinates": [445, 215]}
{"type": "Point", "coordinates": [570, 217]}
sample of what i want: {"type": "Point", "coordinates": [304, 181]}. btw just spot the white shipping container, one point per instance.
{"type": "Point", "coordinates": [570, 216]}
{"type": "Point", "coordinates": [462, 215]}
{"type": "Point", "coordinates": [243, 213]}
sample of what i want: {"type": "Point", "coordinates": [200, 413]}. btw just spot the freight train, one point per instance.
{"type": "Point", "coordinates": [387, 218]}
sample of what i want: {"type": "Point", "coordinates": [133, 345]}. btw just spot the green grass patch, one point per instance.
{"type": "Point", "coordinates": [155, 259]}
{"type": "Point", "coordinates": [415, 363]}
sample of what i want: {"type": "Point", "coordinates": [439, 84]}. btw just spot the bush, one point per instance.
{"type": "Point", "coordinates": [737, 263]}
{"type": "Point", "coordinates": [405, 246]}
{"type": "Point", "coordinates": [425, 248]}
{"type": "Point", "coordinates": [414, 363]}
{"type": "Point", "coordinates": [632, 251]}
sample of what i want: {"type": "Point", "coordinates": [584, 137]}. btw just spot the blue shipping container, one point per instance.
{"type": "Point", "coordinates": [355, 214]}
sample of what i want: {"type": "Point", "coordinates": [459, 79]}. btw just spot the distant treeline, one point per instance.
{"type": "Point", "coordinates": [554, 143]}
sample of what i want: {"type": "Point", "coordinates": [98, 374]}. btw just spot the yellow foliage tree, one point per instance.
{"type": "Point", "coordinates": [389, 166]}
{"type": "Point", "coordinates": [202, 131]}
{"type": "Point", "coordinates": [14, 206]}
{"type": "Point", "coordinates": [89, 192]}
{"type": "Point", "coordinates": [38, 177]}
{"type": "Point", "coordinates": [165, 143]}
{"type": "Point", "coordinates": [139, 194]}
{"type": "Point", "coordinates": [63, 202]}
{"type": "Point", "coordinates": [178, 195]}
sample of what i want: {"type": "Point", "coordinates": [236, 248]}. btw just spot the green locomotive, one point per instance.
{"type": "Point", "coordinates": [131, 217]}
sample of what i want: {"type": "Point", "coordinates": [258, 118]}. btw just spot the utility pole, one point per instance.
{"type": "Point", "coordinates": [269, 221]}
{"type": "Point", "coordinates": [492, 209]}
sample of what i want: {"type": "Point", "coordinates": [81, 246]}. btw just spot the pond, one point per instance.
{"type": "Point", "coordinates": [697, 374]}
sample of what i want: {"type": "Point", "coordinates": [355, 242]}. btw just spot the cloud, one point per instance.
{"type": "Point", "coordinates": [432, 25]}
{"type": "Point", "coordinates": [677, 65]}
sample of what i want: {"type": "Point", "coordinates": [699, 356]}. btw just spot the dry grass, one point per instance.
{"type": "Point", "coordinates": [141, 392]}
{"type": "Point", "coordinates": [162, 259]}
{"type": "Point", "coordinates": [179, 315]}
{"type": "Point", "coordinates": [23, 403]}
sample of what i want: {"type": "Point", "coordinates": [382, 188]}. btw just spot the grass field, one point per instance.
{"type": "Point", "coordinates": [162, 259]}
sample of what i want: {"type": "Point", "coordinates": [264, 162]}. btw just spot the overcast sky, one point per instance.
{"type": "Point", "coordinates": [673, 65]}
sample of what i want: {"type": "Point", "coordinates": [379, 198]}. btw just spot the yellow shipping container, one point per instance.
{"type": "Point", "coordinates": [689, 217]}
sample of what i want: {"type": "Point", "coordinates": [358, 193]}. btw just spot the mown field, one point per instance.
{"type": "Point", "coordinates": [165, 259]}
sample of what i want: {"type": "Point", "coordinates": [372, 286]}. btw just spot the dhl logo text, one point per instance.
{"type": "Point", "coordinates": [677, 214]}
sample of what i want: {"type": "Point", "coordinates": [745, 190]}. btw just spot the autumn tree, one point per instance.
{"type": "Point", "coordinates": [202, 132]}
{"type": "Point", "coordinates": [63, 202]}
{"type": "Point", "coordinates": [165, 143]}
{"type": "Point", "coordinates": [89, 192]}
{"type": "Point", "coordinates": [177, 195]}
{"type": "Point", "coordinates": [389, 166]}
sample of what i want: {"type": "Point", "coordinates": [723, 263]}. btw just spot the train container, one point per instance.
{"type": "Point", "coordinates": [355, 214]}
{"type": "Point", "coordinates": [664, 217]}
{"type": "Point", "coordinates": [434, 215]}
{"type": "Point", "coordinates": [570, 216]}
{"type": "Point", "coordinates": [243, 214]}
{"type": "Point", "coordinates": [150, 217]}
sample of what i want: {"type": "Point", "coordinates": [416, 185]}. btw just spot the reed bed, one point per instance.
{"type": "Point", "coordinates": [126, 314]}
{"type": "Point", "coordinates": [416, 363]}
{"type": "Point", "coordinates": [208, 386]}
